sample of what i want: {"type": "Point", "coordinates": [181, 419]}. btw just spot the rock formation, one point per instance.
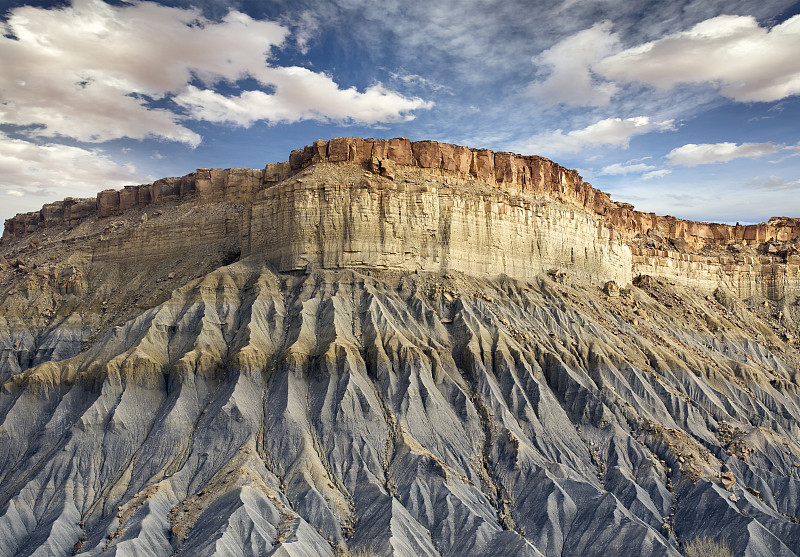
{"type": "Point", "coordinates": [520, 195]}
{"type": "Point", "coordinates": [396, 347]}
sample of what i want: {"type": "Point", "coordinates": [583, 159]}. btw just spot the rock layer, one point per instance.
{"type": "Point", "coordinates": [335, 217]}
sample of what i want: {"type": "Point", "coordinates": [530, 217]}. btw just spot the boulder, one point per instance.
{"type": "Point", "coordinates": [52, 213]}
{"type": "Point", "coordinates": [611, 289]}
{"type": "Point", "coordinates": [299, 159]}
{"type": "Point", "coordinates": [380, 148]}
{"type": "Point", "coordinates": [505, 168]}
{"type": "Point", "coordinates": [727, 480]}
{"type": "Point", "coordinates": [361, 150]}
{"type": "Point", "coordinates": [375, 165]}
{"type": "Point", "coordinates": [427, 154]}
{"type": "Point", "coordinates": [128, 197]}
{"type": "Point", "coordinates": [274, 173]}
{"type": "Point", "coordinates": [339, 149]}
{"type": "Point", "coordinates": [455, 158]}
{"type": "Point", "coordinates": [388, 169]}
{"type": "Point", "coordinates": [319, 150]}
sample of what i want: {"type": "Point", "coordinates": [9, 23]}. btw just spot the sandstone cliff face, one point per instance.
{"type": "Point", "coordinates": [334, 216]}
{"type": "Point", "coordinates": [411, 348]}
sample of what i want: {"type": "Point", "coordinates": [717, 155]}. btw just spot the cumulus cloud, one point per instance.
{"type": "Point", "coordinates": [693, 154]}
{"type": "Point", "coordinates": [28, 168]}
{"type": "Point", "coordinates": [300, 94]}
{"type": "Point", "coordinates": [570, 78]}
{"type": "Point", "coordinates": [610, 132]}
{"type": "Point", "coordinates": [92, 71]}
{"type": "Point", "coordinates": [745, 61]}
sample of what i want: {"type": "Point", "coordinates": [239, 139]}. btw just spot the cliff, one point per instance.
{"type": "Point", "coordinates": [532, 174]}
{"type": "Point", "coordinates": [603, 239]}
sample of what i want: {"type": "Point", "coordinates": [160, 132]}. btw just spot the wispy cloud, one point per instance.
{"type": "Point", "coordinates": [693, 154]}
{"type": "Point", "coordinates": [622, 169]}
{"type": "Point", "coordinates": [787, 152]}
{"type": "Point", "coordinates": [655, 174]}
{"type": "Point", "coordinates": [28, 168]}
{"type": "Point", "coordinates": [418, 80]}
{"type": "Point", "coordinates": [305, 28]}
{"type": "Point", "coordinates": [775, 183]}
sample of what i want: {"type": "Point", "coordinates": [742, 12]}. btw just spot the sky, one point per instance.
{"type": "Point", "coordinates": [683, 107]}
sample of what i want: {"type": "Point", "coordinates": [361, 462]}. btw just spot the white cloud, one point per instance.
{"type": "Point", "coordinates": [29, 169]}
{"type": "Point", "coordinates": [656, 174]}
{"type": "Point", "coordinates": [788, 152]}
{"type": "Point", "coordinates": [776, 183]}
{"type": "Point", "coordinates": [612, 132]}
{"type": "Point", "coordinates": [745, 61]}
{"type": "Point", "coordinates": [693, 154]}
{"type": "Point", "coordinates": [622, 169]}
{"type": "Point", "coordinates": [90, 71]}
{"type": "Point", "coordinates": [300, 94]}
{"type": "Point", "coordinates": [418, 80]}
{"type": "Point", "coordinates": [570, 79]}
{"type": "Point", "coordinates": [81, 71]}
{"type": "Point", "coordinates": [306, 27]}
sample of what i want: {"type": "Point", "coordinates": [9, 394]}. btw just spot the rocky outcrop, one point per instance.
{"type": "Point", "coordinates": [340, 216]}
{"type": "Point", "coordinates": [533, 174]}
{"type": "Point", "coordinates": [744, 275]}
{"type": "Point", "coordinates": [215, 184]}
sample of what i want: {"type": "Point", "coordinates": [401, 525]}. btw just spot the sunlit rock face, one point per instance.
{"type": "Point", "coordinates": [402, 348]}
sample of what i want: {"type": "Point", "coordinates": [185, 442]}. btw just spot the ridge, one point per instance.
{"type": "Point", "coordinates": [530, 173]}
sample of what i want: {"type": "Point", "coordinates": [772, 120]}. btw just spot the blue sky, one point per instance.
{"type": "Point", "coordinates": [688, 108]}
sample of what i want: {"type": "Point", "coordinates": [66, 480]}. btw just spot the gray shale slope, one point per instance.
{"type": "Point", "coordinates": [167, 388]}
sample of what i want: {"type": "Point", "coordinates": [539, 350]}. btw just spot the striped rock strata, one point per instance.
{"type": "Point", "coordinates": [599, 233]}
